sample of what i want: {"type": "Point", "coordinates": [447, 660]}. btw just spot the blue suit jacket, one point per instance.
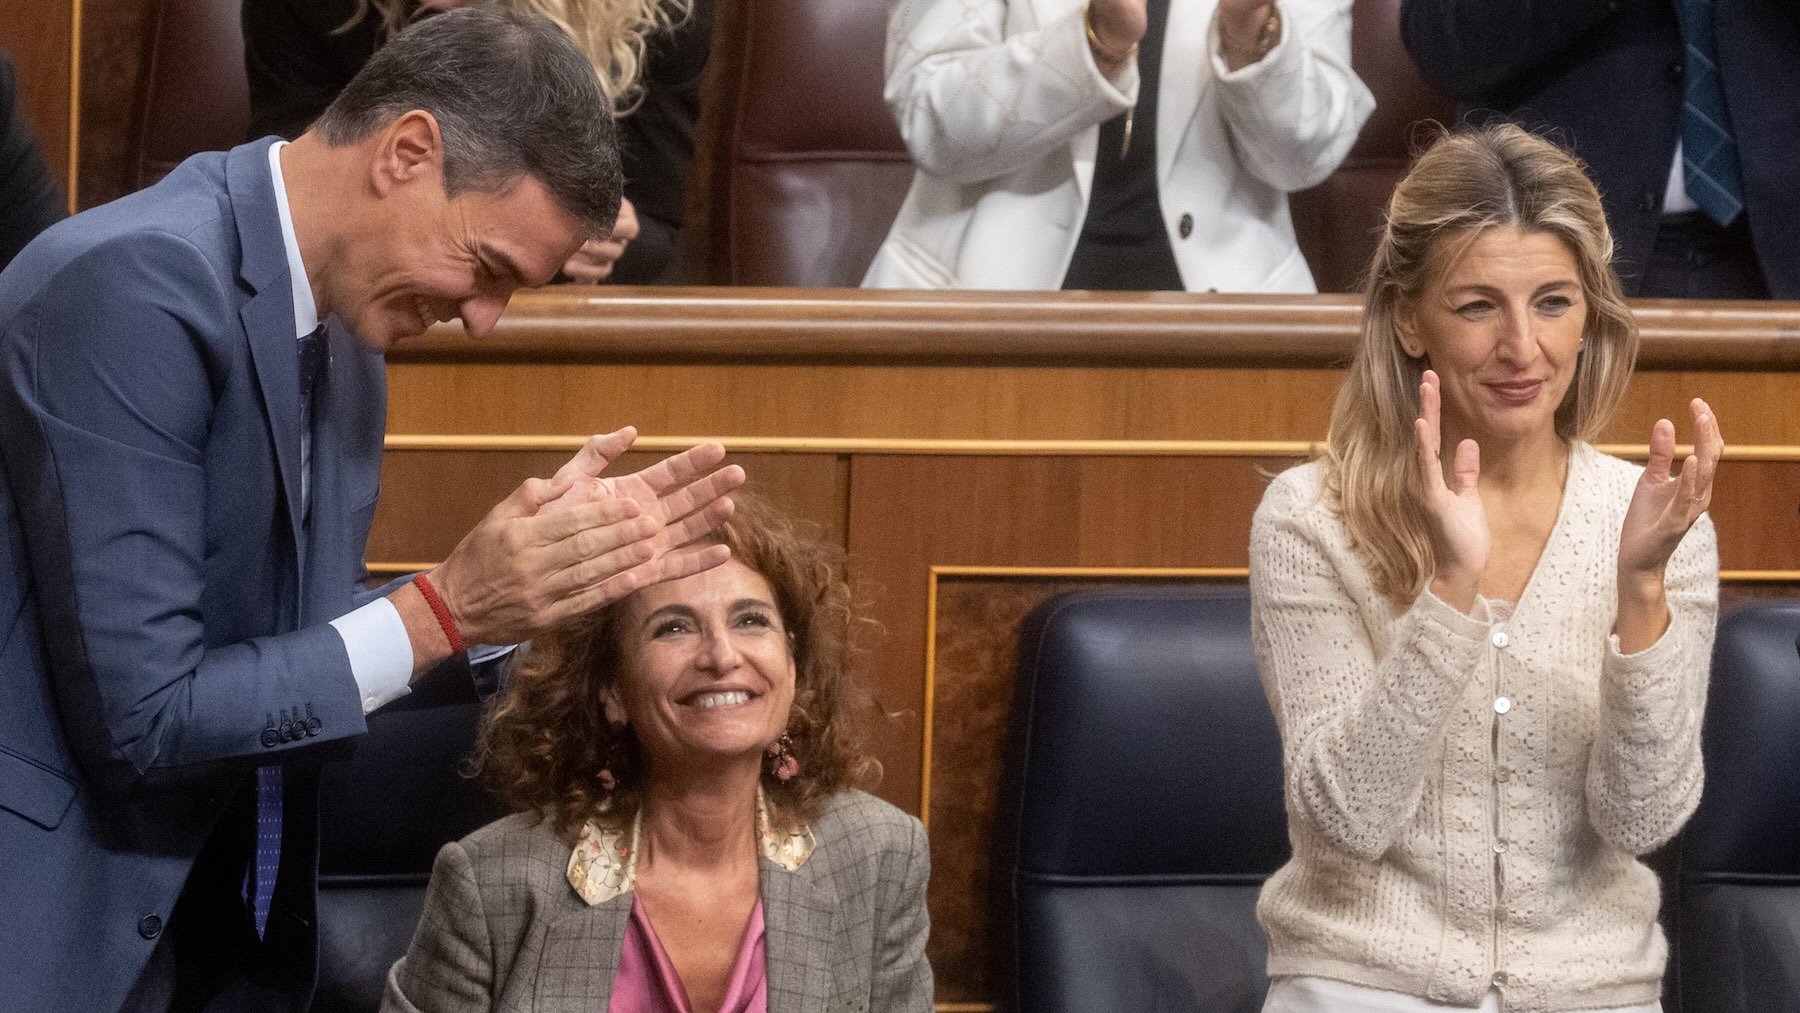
{"type": "Point", "coordinates": [162, 613]}
{"type": "Point", "coordinates": [1607, 74]}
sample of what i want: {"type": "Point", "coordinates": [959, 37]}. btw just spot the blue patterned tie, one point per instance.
{"type": "Point", "coordinates": [268, 778]}
{"type": "Point", "coordinates": [1709, 155]}
{"type": "Point", "coordinates": [268, 843]}
{"type": "Point", "coordinates": [312, 360]}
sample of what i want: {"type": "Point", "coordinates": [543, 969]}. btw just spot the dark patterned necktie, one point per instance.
{"type": "Point", "coordinates": [1709, 155]}
{"type": "Point", "coordinates": [268, 843]}
{"type": "Point", "coordinates": [312, 364]}
{"type": "Point", "coordinates": [267, 862]}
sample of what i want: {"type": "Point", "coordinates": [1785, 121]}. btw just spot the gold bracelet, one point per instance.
{"type": "Point", "coordinates": [1099, 47]}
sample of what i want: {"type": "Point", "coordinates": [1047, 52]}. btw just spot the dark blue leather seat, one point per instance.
{"type": "Point", "coordinates": [383, 814]}
{"type": "Point", "coordinates": [1141, 810]}
{"type": "Point", "coordinates": [1734, 910]}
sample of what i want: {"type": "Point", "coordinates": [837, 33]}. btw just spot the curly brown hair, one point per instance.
{"type": "Point", "coordinates": [545, 737]}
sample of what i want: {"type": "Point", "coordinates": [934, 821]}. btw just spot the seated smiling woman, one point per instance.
{"type": "Point", "coordinates": [686, 838]}
{"type": "Point", "coordinates": [1485, 643]}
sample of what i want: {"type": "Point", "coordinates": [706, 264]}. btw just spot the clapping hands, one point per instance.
{"type": "Point", "coordinates": [560, 547]}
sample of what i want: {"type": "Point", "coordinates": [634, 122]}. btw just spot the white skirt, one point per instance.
{"type": "Point", "coordinates": [1301, 994]}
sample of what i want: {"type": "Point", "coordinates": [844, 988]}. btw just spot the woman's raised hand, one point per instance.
{"type": "Point", "coordinates": [1665, 505]}
{"type": "Point", "coordinates": [1459, 533]}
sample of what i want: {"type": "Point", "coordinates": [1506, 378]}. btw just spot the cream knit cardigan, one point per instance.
{"type": "Point", "coordinates": [1466, 796]}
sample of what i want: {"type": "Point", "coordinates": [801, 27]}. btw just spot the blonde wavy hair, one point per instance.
{"type": "Point", "coordinates": [611, 33]}
{"type": "Point", "coordinates": [545, 735]}
{"type": "Point", "coordinates": [1465, 183]}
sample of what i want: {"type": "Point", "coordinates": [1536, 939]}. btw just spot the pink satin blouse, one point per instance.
{"type": "Point", "coordinates": [647, 983]}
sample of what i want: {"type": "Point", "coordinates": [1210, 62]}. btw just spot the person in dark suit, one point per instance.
{"type": "Point", "coordinates": [1696, 213]}
{"type": "Point", "coordinates": [191, 461]}
{"type": "Point", "coordinates": [29, 203]}
{"type": "Point", "coordinates": [688, 833]}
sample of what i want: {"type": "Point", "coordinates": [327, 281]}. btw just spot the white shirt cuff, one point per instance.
{"type": "Point", "coordinates": [381, 658]}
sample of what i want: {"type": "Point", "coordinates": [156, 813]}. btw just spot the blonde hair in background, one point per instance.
{"type": "Point", "coordinates": [611, 33]}
{"type": "Point", "coordinates": [1463, 184]}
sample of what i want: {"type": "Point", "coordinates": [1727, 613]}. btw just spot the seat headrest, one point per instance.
{"type": "Point", "coordinates": [1142, 742]}
{"type": "Point", "coordinates": [1748, 823]}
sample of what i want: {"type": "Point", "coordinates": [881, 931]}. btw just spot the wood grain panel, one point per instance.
{"type": "Point", "coordinates": [1042, 403]}
{"type": "Point", "coordinates": [39, 37]}
{"type": "Point", "coordinates": [908, 514]}
{"type": "Point", "coordinates": [976, 651]}
{"type": "Point", "coordinates": [115, 42]}
{"type": "Point", "coordinates": [431, 499]}
{"type": "Point", "coordinates": [952, 402]}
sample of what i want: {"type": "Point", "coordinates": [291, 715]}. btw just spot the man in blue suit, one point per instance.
{"type": "Point", "coordinates": [1687, 113]}
{"type": "Point", "coordinates": [190, 468]}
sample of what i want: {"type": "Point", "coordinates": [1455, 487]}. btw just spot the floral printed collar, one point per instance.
{"type": "Point", "coordinates": [604, 864]}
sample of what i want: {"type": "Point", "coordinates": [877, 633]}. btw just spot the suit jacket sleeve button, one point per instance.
{"type": "Point", "coordinates": [1185, 226]}
{"type": "Point", "coordinates": [149, 926]}
{"type": "Point", "coordinates": [270, 737]}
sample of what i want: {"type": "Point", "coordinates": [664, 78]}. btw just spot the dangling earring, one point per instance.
{"type": "Point", "coordinates": [613, 764]}
{"type": "Point", "coordinates": [782, 762]}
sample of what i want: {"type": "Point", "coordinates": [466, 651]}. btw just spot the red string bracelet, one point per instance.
{"type": "Point", "coordinates": [442, 611]}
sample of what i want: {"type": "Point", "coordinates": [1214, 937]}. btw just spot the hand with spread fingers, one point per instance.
{"type": "Point", "coordinates": [687, 495]}
{"type": "Point", "coordinates": [1665, 504]}
{"type": "Point", "coordinates": [1663, 507]}
{"type": "Point", "coordinates": [1459, 536]}
{"type": "Point", "coordinates": [561, 547]}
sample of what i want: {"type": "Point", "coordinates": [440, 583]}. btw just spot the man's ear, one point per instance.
{"type": "Point", "coordinates": [408, 149]}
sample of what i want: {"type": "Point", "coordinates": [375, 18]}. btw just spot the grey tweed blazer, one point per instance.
{"type": "Point", "coordinates": [503, 930]}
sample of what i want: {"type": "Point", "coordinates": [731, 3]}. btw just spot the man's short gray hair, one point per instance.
{"type": "Point", "coordinates": [512, 97]}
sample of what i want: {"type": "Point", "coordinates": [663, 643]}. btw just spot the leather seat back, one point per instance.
{"type": "Point", "coordinates": [1734, 916]}
{"type": "Point", "coordinates": [809, 169]}
{"type": "Point", "coordinates": [1141, 809]}
{"type": "Point", "coordinates": [196, 97]}
{"type": "Point", "coordinates": [383, 814]}
{"type": "Point", "coordinates": [1339, 221]}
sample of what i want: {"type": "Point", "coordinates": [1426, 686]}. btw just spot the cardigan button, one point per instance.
{"type": "Point", "coordinates": [1500, 639]}
{"type": "Point", "coordinates": [1502, 705]}
{"type": "Point", "coordinates": [1500, 979]}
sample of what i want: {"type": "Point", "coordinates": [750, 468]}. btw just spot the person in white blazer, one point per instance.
{"type": "Point", "coordinates": [1001, 101]}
